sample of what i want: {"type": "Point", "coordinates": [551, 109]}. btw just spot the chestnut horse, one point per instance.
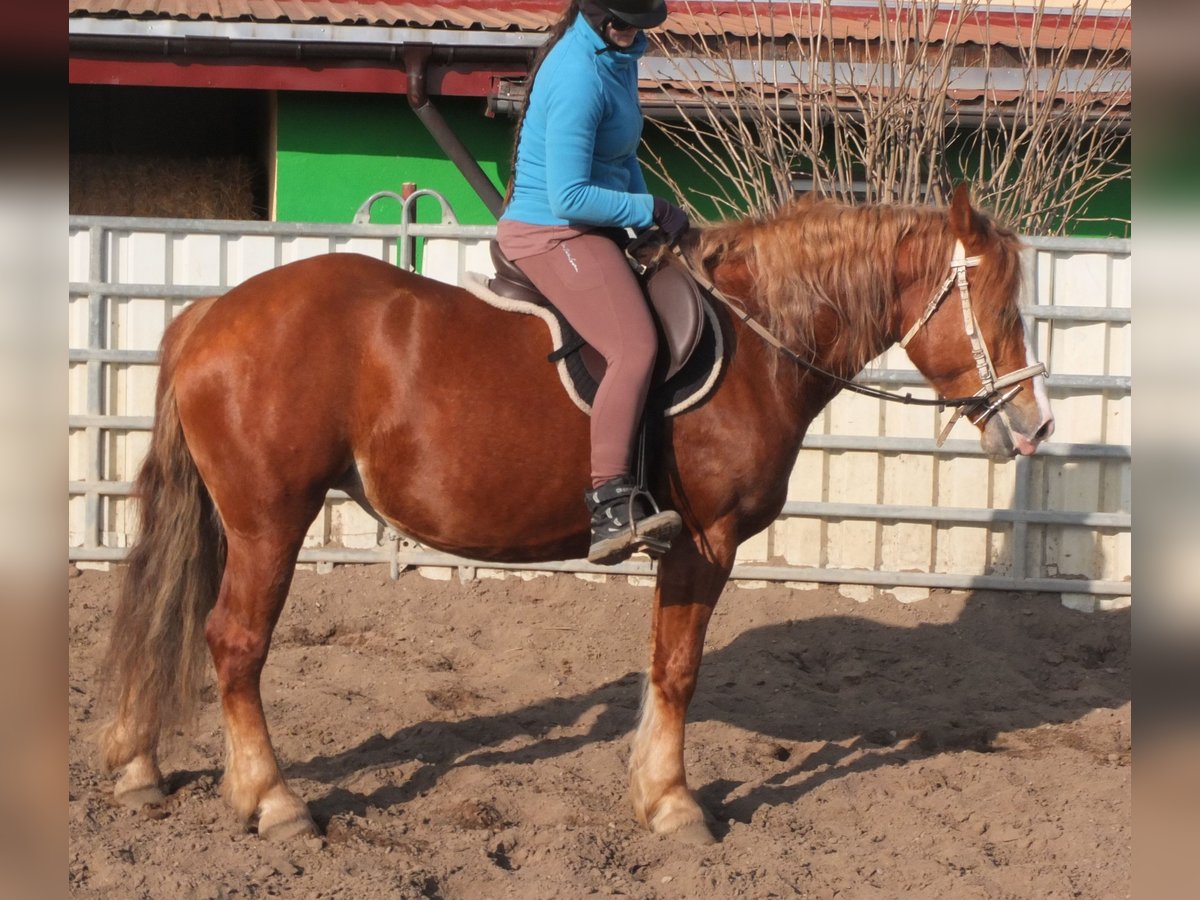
{"type": "Point", "coordinates": [441, 413]}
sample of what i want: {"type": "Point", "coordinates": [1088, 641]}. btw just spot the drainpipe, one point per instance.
{"type": "Point", "coordinates": [415, 61]}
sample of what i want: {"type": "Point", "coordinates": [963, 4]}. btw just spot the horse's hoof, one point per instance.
{"type": "Point", "coordinates": [136, 798]}
{"type": "Point", "coordinates": [696, 834]}
{"type": "Point", "coordinates": [278, 832]}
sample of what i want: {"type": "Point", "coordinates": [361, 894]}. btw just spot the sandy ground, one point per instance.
{"type": "Point", "coordinates": [470, 741]}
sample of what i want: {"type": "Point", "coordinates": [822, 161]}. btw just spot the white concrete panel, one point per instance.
{"type": "Point", "coordinates": [79, 254]}
{"type": "Point", "coordinates": [1118, 423]}
{"type": "Point", "coordinates": [77, 389]}
{"type": "Point", "coordinates": [133, 449]}
{"type": "Point", "coordinates": [900, 420]}
{"type": "Point", "coordinates": [1079, 418]}
{"type": "Point", "coordinates": [756, 549]}
{"type": "Point", "coordinates": [1003, 484]}
{"type": "Point", "coordinates": [131, 390]}
{"type": "Point", "coordinates": [1080, 348]}
{"type": "Point", "coordinates": [175, 307]}
{"type": "Point", "coordinates": [76, 518]}
{"type": "Point", "coordinates": [1074, 485]}
{"type": "Point", "coordinates": [1083, 416]}
{"type": "Point", "coordinates": [1081, 279]}
{"type": "Point", "coordinates": [1040, 333]}
{"type": "Point", "coordinates": [351, 526]}
{"type": "Point", "coordinates": [906, 546]}
{"type": "Point", "coordinates": [137, 323]}
{"type": "Point", "coordinates": [807, 480]}
{"type": "Point", "coordinates": [77, 459]}
{"type": "Point", "coordinates": [246, 256]}
{"type": "Point", "coordinates": [851, 544]}
{"type": "Point", "coordinates": [196, 259]}
{"type": "Point", "coordinates": [964, 481]}
{"type": "Point", "coordinates": [798, 541]}
{"type": "Point", "coordinates": [961, 549]}
{"type": "Point", "coordinates": [121, 521]}
{"type": "Point", "coordinates": [294, 248]}
{"type": "Point", "coordinates": [318, 532]}
{"type": "Point", "coordinates": [1120, 349]}
{"type": "Point", "coordinates": [1121, 281]}
{"type": "Point", "coordinates": [1077, 553]}
{"type": "Point", "coordinates": [907, 479]}
{"type": "Point", "coordinates": [851, 413]}
{"type": "Point", "coordinates": [477, 258]}
{"type": "Point", "coordinates": [1118, 549]}
{"type": "Point", "coordinates": [999, 543]}
{"type": "Point", "coordinates": [447, 260]}
{"type": "Point", "coordinates": [77, 322]}
{"type": "Point", "coordinates": [376, 248]}
{"type": "Point", "coordinates": [1044, 277]}
{"type": "Point", "coordinates": [138, 257]}
{"type": "Point", "coordinates": [854, 477]}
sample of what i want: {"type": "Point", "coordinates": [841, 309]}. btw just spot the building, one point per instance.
{"type": "Point", "coordinates": [298, 110]}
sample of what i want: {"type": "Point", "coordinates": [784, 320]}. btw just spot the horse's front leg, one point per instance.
{"type": "Point", "coordinates": [689, 584]}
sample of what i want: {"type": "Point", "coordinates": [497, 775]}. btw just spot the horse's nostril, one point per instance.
{"type": "Point", "coordinates": [1045, 431]}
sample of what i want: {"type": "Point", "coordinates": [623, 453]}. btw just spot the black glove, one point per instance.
{"type": "Point", "coordinates": [670, 218]}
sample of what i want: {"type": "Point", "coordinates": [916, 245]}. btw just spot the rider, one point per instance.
{"type": "Point", "coordinates": [576, 186]}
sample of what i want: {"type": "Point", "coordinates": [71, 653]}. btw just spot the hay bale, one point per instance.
{"type": "Point", "coordinates": [163, 187]}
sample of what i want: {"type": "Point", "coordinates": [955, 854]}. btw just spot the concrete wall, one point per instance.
{"type": "Point", "coordinates": [872, 501]}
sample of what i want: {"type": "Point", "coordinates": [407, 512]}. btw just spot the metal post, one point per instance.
{"type": "Point", "coordinates": [95, 386]}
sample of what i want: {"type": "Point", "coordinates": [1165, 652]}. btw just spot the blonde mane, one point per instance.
{"type": "Point", "coordinates": [817, 263]}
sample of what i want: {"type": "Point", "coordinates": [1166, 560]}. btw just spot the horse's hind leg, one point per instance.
{"type": "Point", "coordinates": [258, 573]}
{"type": "Point", "coordinates": [687, 590]}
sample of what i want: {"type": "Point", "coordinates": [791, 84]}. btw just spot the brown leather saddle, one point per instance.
{"type": "Point", "coordinates": [675, 301]}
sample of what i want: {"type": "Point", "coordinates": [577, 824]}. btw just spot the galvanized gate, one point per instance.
{"type": "Point", "coordinates": [872, 500]}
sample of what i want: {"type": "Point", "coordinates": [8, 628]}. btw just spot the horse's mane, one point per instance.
{"type": "Point", "coordinates": [816, 257]}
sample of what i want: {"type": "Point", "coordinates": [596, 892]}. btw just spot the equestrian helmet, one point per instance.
{"type": "Point", "coordinates": [639, 13]}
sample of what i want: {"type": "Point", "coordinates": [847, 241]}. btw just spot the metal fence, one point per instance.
{"type": "Point", "coordinates": [873, 501]}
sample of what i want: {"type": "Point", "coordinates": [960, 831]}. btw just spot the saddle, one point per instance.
{"type": "Point", "coordinates": [690, 343]}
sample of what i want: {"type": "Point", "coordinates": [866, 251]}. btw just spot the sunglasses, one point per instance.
{"type": "Point", "coordinates": [622, 25]}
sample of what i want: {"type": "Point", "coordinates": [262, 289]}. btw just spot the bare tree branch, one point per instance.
{"type": "Point", "coordinates": [891, 118]}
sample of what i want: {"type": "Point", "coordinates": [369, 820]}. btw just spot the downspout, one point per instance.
{"type": "Point", "coordinates": [415, 60]}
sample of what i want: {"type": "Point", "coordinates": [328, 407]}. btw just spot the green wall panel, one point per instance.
{"type": "Point", "coordinates": [335, 150]}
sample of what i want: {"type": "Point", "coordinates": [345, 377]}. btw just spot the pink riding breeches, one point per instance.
{"type": "Point", "coordinates": [589, 280]}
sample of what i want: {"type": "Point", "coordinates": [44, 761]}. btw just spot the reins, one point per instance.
{"type": "Point", "coordinates": [992, 384]}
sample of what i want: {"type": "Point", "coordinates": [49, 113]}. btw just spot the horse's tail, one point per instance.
{"type": "Point", "coordinates": [155, 663]}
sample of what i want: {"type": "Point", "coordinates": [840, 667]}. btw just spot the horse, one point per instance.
{"type": "Point", "coordinates": [440, 413]}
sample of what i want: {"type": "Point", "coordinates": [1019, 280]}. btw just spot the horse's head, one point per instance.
{"type": "Point", "coordinates": [966, 336]}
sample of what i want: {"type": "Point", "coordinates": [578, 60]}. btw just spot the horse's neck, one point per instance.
{"type": "Point", "coordinates": [842, 354]}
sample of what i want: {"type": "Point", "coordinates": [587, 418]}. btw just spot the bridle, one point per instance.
{"type": "Point", "coordinates": [979, 407]}
{"type": "Point", "coordinates": [988, 396]}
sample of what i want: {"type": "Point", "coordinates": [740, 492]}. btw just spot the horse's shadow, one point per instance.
{"type": "Point", "coordinates": [1007, 662]}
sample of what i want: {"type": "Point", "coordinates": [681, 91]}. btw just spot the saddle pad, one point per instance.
{"type": "Point", "coordinates": [684, 390]}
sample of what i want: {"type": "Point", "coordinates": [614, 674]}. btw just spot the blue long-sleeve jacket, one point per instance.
{"type": "Point", "coordinates": [577, 156]}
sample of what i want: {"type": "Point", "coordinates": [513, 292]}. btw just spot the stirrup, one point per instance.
{"type": "Point", "coordinates": [622, 523]}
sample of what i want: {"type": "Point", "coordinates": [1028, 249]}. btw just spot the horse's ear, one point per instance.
{"type": "Point", "coordinates": [963, 221]}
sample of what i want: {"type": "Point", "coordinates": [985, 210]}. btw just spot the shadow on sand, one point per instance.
{"type": "Point", "coordinates": [1008, 662]}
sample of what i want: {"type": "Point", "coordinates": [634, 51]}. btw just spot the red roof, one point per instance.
{"type": "Point", "coordinates": [687, 17]}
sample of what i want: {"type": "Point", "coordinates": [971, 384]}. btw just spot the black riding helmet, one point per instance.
{"type": "Point", "coordinates": [639, 13]}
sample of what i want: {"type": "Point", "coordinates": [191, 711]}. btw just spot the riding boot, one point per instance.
{"type": "Point", "coordinates": [623, 522]}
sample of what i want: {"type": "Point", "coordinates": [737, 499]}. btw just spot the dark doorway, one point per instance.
{"type": "Point", "coordinates": [169, 152]}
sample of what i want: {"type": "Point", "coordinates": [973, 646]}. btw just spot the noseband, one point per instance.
{"type": "Point", "coordinates": [988, 396]}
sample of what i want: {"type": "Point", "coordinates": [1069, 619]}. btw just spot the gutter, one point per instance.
{"type": "Point", "coordinates": [252, 34]}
